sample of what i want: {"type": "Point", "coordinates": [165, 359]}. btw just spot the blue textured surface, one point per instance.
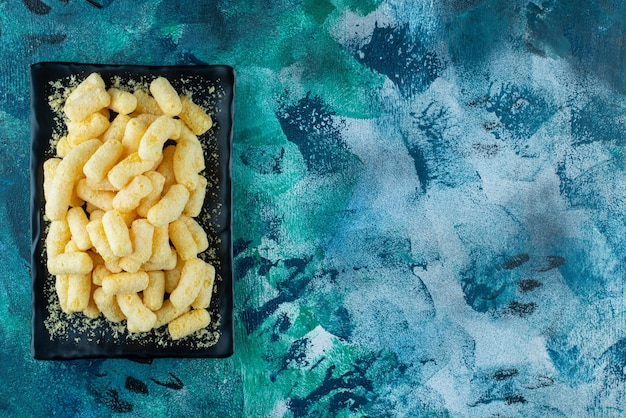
{"type": "Point", "coordinates": [429, 207]}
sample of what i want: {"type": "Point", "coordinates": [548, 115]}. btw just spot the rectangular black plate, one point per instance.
{"type": "Point", "coordinates": [80, 337]}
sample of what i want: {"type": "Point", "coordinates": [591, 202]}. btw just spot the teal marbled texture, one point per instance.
{"type": "Point", "coordinates": [428, 207]}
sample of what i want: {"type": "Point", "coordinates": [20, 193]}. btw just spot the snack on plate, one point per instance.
{"type": "Point", "coordinates": [121, 198]}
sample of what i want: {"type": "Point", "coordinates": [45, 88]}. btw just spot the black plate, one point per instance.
{"type": "Point", "coordinates": [59, 336]}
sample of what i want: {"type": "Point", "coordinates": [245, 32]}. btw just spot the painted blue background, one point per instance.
{"type": "Point", "coordinates": [429, 207]}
